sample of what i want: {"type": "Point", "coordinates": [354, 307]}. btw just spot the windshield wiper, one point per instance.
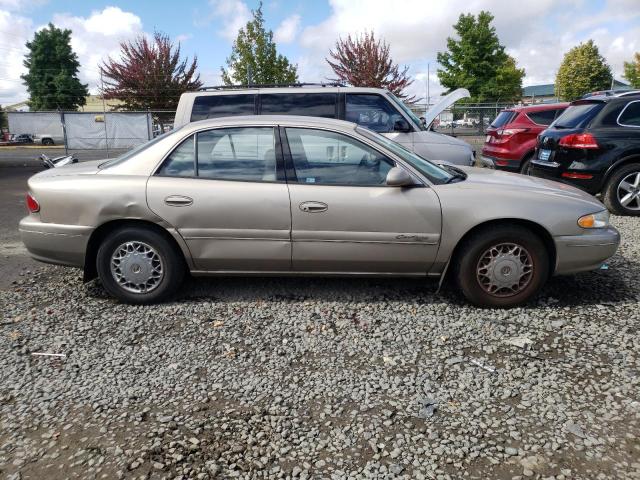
{"type": "Point", "coordinates": [458, 175]}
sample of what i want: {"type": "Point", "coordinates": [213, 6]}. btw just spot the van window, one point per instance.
{"type": "Point", "coordinates": [214, 106]}
{"type": "Point", "coordinates": [309, 104]}
{"type": "Point", "coordinates": [371, 111]}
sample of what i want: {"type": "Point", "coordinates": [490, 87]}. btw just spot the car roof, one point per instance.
{"type": "Point", "coordinates": [608, 99]}
{"type": "Point", "coordinates": [257, 120]}
{"type": "Point", "coordinates": [294, 90]}
{"type": "Point", "coordinates": [539, 107]}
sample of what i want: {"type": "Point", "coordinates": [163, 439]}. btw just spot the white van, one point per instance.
{"type": "Point", "coordinates": [373, 108]}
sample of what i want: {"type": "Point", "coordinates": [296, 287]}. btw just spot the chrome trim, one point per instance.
{"type": "Point", "coordinates": [545, 164]}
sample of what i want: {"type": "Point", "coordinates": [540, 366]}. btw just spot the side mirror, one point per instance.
{"type": "Point", "coordinates": [398, 177]}
{"type": "Point", "coordinates": [401, 126]}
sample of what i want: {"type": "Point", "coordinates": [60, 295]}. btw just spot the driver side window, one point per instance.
{"type": "Point", "coordinates": [371, 111]}
{"type": "Point", "coordinates": [329, 158]}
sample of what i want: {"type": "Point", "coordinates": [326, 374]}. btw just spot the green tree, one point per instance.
{"type": "Point", "coordinates": [582, 70]}
{"type": "Point", "coordinates": [632, 71]}
{"type": "Point", "coordinates": [3, 120]}
{"type": "Point", "coordinates": [476, 61]}
{"type": "Point", "coordinates": [52, 79]}
{"type": "Point", "coordinates": [254, 58]}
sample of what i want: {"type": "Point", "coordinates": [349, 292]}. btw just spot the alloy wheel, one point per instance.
{"type": "Point", "coordinates": [629, 191]}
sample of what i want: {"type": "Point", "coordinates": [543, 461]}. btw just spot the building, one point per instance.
{"type": "Point", "coordinates": [93, 104]}
{"type": "Point", "coordinates": [545, 93]}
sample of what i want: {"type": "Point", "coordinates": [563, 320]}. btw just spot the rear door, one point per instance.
{"type": "Point", "coordinates": [224, 191]}
{"type": "Point", "coordinates": [345, 219]}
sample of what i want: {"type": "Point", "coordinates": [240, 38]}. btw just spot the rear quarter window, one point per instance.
{"type": "Point", "coordinates": [543, 117]}
{"type": "Point", "coordinates": [630, 115]}
{"type": "Point", "coordinates": [214, 106]}
{"type": "Point", "coordinates": [503, 118]}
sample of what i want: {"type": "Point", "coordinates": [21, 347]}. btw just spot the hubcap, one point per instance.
{"type": "Point", "coordinates": [504, 270]}
{"type": "Point", "coordinates": [629, 191]}
{"type": "Point", "coordinates": [137, 267]}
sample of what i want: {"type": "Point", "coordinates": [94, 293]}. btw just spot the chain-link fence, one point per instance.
{"type": "Point", "coordinates": [464, 118]}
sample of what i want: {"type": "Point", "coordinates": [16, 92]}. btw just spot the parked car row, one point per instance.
{"type": "Point", "coordinates": [592, 143]}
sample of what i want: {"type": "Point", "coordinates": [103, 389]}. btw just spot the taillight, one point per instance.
{"type": "Point", "coordinates": [32, 204]}
{"type": "Point", "coordinates": [507, 132]}
{"type": "Point", "coordinates": [578, 140]}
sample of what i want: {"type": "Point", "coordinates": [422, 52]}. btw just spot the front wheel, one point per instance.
{"type": "Point", "coordinates": [622, 193]}
{"type": "Point", "coordinates": [47, 141]}
{"type": "Point", "coordinates": [502, 266]}
{"type": "Point", "coordinates": [139, 265]}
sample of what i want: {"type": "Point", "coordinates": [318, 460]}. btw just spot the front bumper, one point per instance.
{"type": "Point", "coordinates": [55, 243]}
{"type": "Point", "coordinates": [580, 253]}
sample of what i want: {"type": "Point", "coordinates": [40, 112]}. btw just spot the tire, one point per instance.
{"type": "Point", "coordinates": [138, 254]}
{"type": "Point", "coordinates": [488, 244]}
{"type": "Point", "coordinates": [47, 141]}
{"type": "Point", "coordinates": [613, 192]}
{"type": "Point", "coordinates": [526, 164]}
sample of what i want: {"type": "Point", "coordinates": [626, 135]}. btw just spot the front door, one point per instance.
{"type": "Point", "coordinates": [345, 219]}
{"type": "Point", "coordinates": [376, 113]}
{"type": "Point", "coordinates": [224, 193]}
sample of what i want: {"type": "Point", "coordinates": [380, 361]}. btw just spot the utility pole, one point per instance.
{"type": "Point", "coordinates": [104, 115]}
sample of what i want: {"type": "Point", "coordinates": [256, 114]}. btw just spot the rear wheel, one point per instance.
{"type": "Point", "coordinates": [622, 193]}
{"type": "Point", "coordinates": [47, 141]}
{"type": "Point", "coordinates": [139, 265]}
{"type": "Point", "coordinates": [525, 167]}
{"type": "Point", "coordinates": [502, 266]}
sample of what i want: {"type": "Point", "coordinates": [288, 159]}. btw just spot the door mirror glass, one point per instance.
{"type": "Point", "coordinates": [398, 177]}
{"type": "Point", "coordinates": [401, 125]}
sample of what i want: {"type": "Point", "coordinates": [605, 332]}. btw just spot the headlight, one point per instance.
{"type": "Point", "coordinates": [595, 220]}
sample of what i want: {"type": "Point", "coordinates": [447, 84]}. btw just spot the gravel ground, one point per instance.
{"type": "Point", "coordinates": [322, 378]}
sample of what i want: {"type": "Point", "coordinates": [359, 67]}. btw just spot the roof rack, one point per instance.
{"type": "Point", "coordinates": [271, 85]}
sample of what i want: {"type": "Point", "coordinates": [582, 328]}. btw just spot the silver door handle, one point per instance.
{"type": "Point", "coordinates": [313, 207]}
{"type": "Point", "coordinates": [178, 201]}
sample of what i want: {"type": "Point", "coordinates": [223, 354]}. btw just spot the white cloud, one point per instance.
{"type": "Point", "coordinates": [98, 36]}
{"type": "Point", "coordinates": [15, 31]}
{"type": "Point", "coordinates": [184, 37]}
{"type": "Point", "coordinates": [537, 34]}
{"type": "Point", "coordinates": [234, 14]}
{"type": "Point", "coordinates": [288, 29]}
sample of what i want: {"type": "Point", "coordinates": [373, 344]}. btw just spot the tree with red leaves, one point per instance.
{"type": "Point", "coordinates": [364, 61]}
{"type": "Point", "coordinates": [150, 74]}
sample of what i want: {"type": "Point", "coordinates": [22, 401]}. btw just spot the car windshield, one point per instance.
{"type": "Point", "coordinates": [432, 171]}
{"type": "Point", "coordinates": [577, 116]}
{"type": "Point", "coordinates": [135, 151]}
{"type": "Point", "coordinates": [406, 110]}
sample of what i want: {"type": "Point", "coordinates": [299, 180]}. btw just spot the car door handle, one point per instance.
{"type": "Point", "coordinates": [178, 201]}
{"type": "Point", "coordinates": [313, 207]}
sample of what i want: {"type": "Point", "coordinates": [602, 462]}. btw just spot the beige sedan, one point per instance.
{"type": "Point", "coordinates": [307, 196]}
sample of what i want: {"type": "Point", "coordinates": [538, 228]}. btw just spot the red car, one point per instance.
{"type": "Point", "coordinates": [511, 137]}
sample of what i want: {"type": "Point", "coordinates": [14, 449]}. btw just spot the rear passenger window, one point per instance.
{"type": "Point", "coordinates": [544, 117]}
{"type": "Point", "coordinates": [371, 111]}
{"type": "Point", "coordinates": [310, 104]}
{"type": "Point", "coordinates": [214, 106]}
{"type": "Point", "coordinates": [503, 118]}
{"type": "Point", "coordinates": [630, 116]}
{"type": "Point", "coordinates": [246, 154]}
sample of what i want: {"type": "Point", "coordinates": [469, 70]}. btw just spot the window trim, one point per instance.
{"type": "Point", "coordinates": [622, 111]}
{"type": "Point", "coordinates": [280, 175]}
{"type": "Point", "coordinates": [293, 178]}
{"type": "Point", "coordinates": [398, 110]}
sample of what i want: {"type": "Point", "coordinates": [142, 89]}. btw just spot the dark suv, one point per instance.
{"type": "Point", "coordinates": [595, 145]}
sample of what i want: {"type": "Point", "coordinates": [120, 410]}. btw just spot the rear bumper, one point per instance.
{"type": "Point", "coordinates": [507, 164]}
{"type": "Point", "coordinates": [580, 253]}
{"type": "Point", "coordinates": [554, 171]}
{"type": "Point", "coordinates": [55, 243]}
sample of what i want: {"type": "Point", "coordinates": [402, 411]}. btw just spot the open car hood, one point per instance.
{"type": "Point", "coordinates": [445, 103]}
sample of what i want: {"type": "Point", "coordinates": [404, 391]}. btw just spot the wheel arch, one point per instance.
{"type": "Point", "coordinates": [100, 233]}
{"type": "Point", "coordinates": [536, 228]}
{"type": "Point", "coordinates": [625, 160]}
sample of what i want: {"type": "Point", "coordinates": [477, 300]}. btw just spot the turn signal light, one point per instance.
{"type": "Point", "coordinates": [578, 140]}
{"type": "Point", "coordinates": [588, 221]}
{"type": "Point", "coordinates": [32, 204]}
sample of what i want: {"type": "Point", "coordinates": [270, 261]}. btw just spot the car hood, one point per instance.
{"type": "Point", "coordinates": [491, 180]}
{"type": "Point", "coordinates": [445, 103]}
